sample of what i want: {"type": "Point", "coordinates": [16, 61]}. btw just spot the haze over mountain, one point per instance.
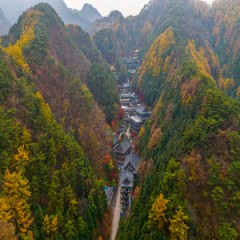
{"type": "Point", "coordinates": [4, 23]}
{"type": "Point", "coordinates": [90, 13]}
{"type": "Point", "coordinates": [82, 18]}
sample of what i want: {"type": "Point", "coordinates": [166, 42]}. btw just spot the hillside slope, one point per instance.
{"type": "Point", "coordinates": [53, 135]}
{"type": "Point", "coordinates": [59, 59]}
{"type": "Point", "coordinates": [188, 178]}
{"type": "Point", "coordinates": [48, 188]}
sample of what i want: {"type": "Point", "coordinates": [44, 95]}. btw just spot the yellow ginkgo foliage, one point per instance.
{"type": "Point", "coordinates": [50, 225]}
{"type": "Point", "coordinates": [24, 219]}
{"type": "Point", "coordinates": [5, 214]}
{"type": "Point", "coordinates": [229, 83]}
{"type": "Point", "coordinates": [26, 137]}
{"type": "Point", "coordinates": [22, 154]}
{"type": "Point", "coordinates": [27, 36]}
{"type": "Point", "coordinates": [178, 227]}
{"type": "Point", "coordinates": [154, 62]}
{"type": "Point", "coordinates": [17, 194]}
{"type": "Point", "coordinates": [199, 58]}
{"type": "Point", "coordinates": [157, 213]}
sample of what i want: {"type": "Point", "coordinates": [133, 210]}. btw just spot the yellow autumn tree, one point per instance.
{"type": "Point", "coordinates": [21, 158]}
{"type": "Point", "coordinates": [17, 195]}
{"type": "Point", "coordinates": [178, 227]}
{"type": "Point", "coordinates": [229, 83]}
{"type": "Point", "coordinates": [5, 214]}
{"type": "Point", "coordinates": [27, 36]}
{"type": "Point", "coordinates": [141, 132]}
{"type": "Point", "coordinates": [26, 138]}
{"type": "Point", "coordinates": [157, 213]}
{"type": "Point", "coordinates": [155, 138]}
{"type": "Point", "coordinates": [22, 154]}
{"type": "Point", "coordinates": [199, 58]}
{"type": "Point", "coordinates": [50, 225]}
{"type": "Point", "coordinates": [45, 109]}
{"type": "Point", "coordinates": [154, 62]}
{"type": "Point", "coordinates": [110, 164]}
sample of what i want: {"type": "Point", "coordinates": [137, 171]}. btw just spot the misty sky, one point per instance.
{"type": "Point", "coordinates": [126, 7]}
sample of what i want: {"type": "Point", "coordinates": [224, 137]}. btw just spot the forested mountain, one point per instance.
{"type": "Point", "coordinates": [225, 34]}
{"type": "Point", "coordinates": [188, 178]}
{"type": "Point", "coordinates": [216, 24]}
{"type": "Point", "coordinates": [57, 93]}
{"type": "Point", "coordinates": [53, 135]}
{"type": "Point", "coordinates": [4, 24]}
{"type": "Point", "coordinates": [82, 18]}
{"type": "Point", "coordinates": [106, 22]}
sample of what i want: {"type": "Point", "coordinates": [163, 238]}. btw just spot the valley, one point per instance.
{"type": "Point", "coordinates": [128, 131]}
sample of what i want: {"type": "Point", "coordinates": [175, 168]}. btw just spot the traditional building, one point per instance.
{"type": "Point", "coordinates": [125, 99]}
{"type": "Point", "coordinates": [128, 179]}
{"type": "Point", "coordinates": [134, 99]}
{"type": "Point", "coordinates": [122, 149]}
{"type": "Point", "coordinates": [115, 142]}
{"type": "Point", "coordinates": [135, 123]}
{"type": "Point", "coordinates": [125, 88]}
{"type": "Point", "coordinates": [136, 54]}
{"type": "Point", "coordinates": [126, 183]}
{"type": "Point", "coordinates": [142, 112]}
{"type": "Point", "coordinates": [131, 164]}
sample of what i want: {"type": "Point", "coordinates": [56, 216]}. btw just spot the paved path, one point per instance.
{"type": "Point", "coordinates": [116, 215]}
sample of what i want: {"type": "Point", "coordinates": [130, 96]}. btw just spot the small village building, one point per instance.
{"type": "Point", "coordinates": [136, 54]}
{"type": "Point", "coordinates": [128, 179]}
{"type": "Point", "coordinates": [131, 163]}
{"type": "Point", "coordinates": [134, 99]}
{"type": "Point", "coordinates": [135, 123]}
{"type": "Point", "coordinates": [126, 184]}
{"type": "Point", "coordinates": [115, 142]}
{"type": "Point", "coordinates": [122, 149]}
{"type": "Point", "coordinates": [125, 88]}
{"type": "Point", "coordinates": [125, 96]}
{"type": "Point", "coordinates": [125, 99]}
{"type": "Point", "coordinates": [132, 110]}
{"type": "Point", "coordinates": [142, 112]}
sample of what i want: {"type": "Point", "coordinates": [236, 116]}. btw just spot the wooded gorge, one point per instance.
{"type": "Point", "coordinates": [58, 99]}
{"type": "Point", "coordinates": [54, 137]}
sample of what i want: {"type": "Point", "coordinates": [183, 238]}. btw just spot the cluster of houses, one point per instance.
{"type": "Point", "coordinates": [136, 113]}
{"type": "Point", "coordinates": [135, 116]}
{"type": "Point", "coordinates": [132, 63]}
{"type": "Point", "coordinates": [128, 165]}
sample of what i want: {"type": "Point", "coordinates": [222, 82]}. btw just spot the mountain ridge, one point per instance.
{"type": "Point", "coordinates": [68, 15]}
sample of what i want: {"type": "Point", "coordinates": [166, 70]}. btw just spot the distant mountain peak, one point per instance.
{"type": "Point", "coordinates": [115, 15]}
{"type": "Point", "coordinates": [90, 13]}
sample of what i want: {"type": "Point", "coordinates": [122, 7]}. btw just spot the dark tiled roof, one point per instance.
{"type": "Point", "coordinates": [126, 179]}
{"type": "Point", "coordinates": [115, 140]}
{"type": "Point", "coordinates": [125, 85]}
{"type": "Point", "coordinates": [132, 159]}
{"type": "Point", "coordinates": [124, 146]}
{"type": "Point", "coordinates": [140, 109]}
